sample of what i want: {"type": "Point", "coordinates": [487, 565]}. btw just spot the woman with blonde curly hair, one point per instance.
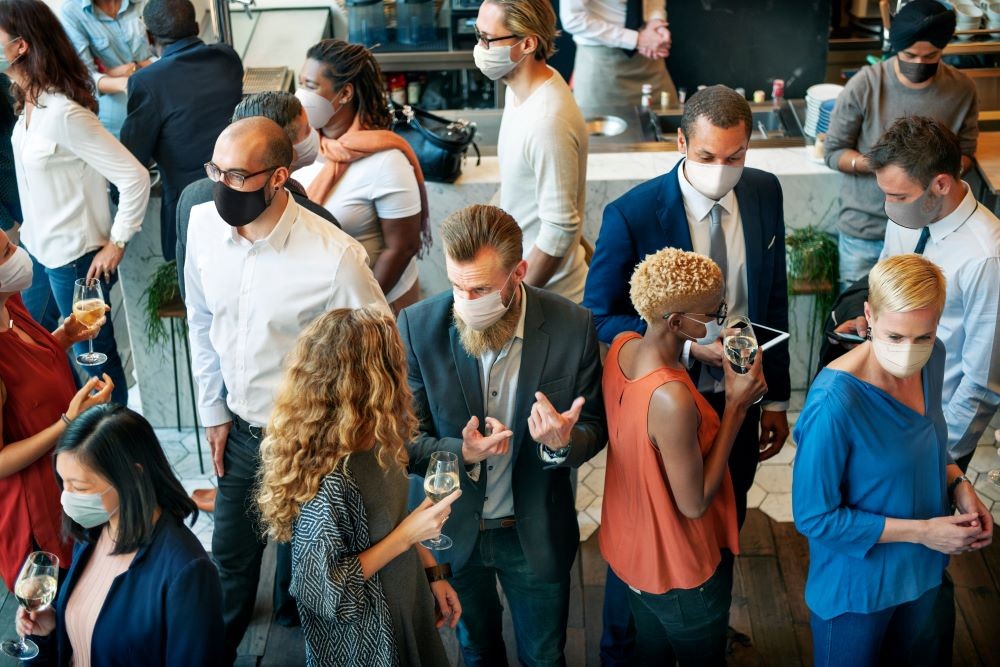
{"type": "Point", "coordinates": [334, 483]}
{"type": "Point", "coordinates": [669, 518]}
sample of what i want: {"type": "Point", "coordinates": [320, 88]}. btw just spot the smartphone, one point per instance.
{"type": "Point", "coordinates": [843, 337]}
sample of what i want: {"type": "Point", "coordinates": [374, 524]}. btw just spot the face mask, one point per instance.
{"type": "Point", "coordinates": [918, 213]}
{"type": "Point", "coordinates": [712, 331]}
{"type": "Point", "coordinates": [4, 63]}
{"type": "Point", "coordinates": [319, 110]}
{"type": "Point", "coordinates": [712, 180]}
{"type": "Point", "coordinates": [86, 508]}
{"type": "Point", "coordinates": [483, 312]}
{"type": "Point", "coordinates": [306, 151]}
{"type": "Point", "coordinates": [901, 359]}
{"type": "Point", "coordinates": [16, 273]}
{"type": "Point", "coordinates": [239, 208]}
{"type": "Point", "coordinates": [495, 62]}
{"type": "Point", "coordinates": [917, 72]}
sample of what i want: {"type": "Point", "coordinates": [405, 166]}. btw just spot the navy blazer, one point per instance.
{"type": "Point", "coordinates": [164, 611]}
{"type": "Point", "coordinates": [560, 358]}
{"type": "Point", "coordinates": [650, 217]}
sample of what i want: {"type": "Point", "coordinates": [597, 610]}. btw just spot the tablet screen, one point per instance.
{"type": "Point", "coordinates": [767, 337]}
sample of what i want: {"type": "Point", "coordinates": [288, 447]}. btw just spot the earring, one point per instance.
{"type": "Point", "coordinates": [868, 336]}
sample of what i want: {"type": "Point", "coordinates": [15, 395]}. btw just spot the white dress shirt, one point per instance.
{"type": "Point", "coordinates": [248, 302]}
{"type": "Point", "coordinates": [966, 245]}
{"type": "Point", "coordinates": [602, 22]}
{"type": "Point", "coordinates": [64, 161]}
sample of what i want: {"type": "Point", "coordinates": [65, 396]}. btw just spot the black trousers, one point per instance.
{"type": "Point", "coordinates": [745, 454]}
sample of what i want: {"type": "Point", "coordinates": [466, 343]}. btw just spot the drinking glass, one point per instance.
{"type": "Point", "coordinates": [441, 481]}
{"type": "Point", "coordinates": [88, 306]}
{"type": "Point", "coordinates": [994, 475]}
{"type": "Point", "coordinates": [740, 344]}
{"type": "Point", "coordinates": [34, 589]}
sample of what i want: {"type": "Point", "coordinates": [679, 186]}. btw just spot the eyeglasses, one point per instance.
{"type": "Point", "coordinates": [231, 178]}
{"type": "Point", "coordinates": [719, 316]}
{"type": "Point", "coordinates": [486, 41]}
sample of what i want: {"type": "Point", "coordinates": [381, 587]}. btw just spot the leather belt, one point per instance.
{"type": "Point", "coordinates": [256, 432]}
{"type": "Point", "coordinates": [491, 524]}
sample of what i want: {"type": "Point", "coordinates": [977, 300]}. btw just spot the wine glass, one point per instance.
{"type": "Point", "coordinates": [994, 475]}
{"type": "Point", "coordinates": [740, 344]}
{"type": "Point", "coordinates": [441, 481]}
{"type": "Point", "coordinates": [35, 589]}
{"type": "Point", "coordinates": [88, 307]}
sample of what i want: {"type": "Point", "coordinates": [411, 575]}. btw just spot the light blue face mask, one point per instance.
{"type": "Point", "coordinates": [86, 508]}
{"type": "Point", "coordinates": [4, 63]}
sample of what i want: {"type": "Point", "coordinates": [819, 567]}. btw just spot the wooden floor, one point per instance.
{"type": "Point", "coordinates": [767, 605]}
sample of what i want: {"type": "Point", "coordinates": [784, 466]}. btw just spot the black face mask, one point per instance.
{"type": "Point", "coordinates": [239, 208]}
{"type": "Point", "coordinates": [917, 72]}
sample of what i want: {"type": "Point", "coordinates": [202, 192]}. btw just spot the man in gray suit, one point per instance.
{"type": "Point", "coordinates": [507, 377]}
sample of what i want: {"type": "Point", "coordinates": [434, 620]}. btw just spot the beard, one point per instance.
{"type": "Point", "coordinates": [493, 337]}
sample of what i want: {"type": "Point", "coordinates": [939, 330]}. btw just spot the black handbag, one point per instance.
{"type": "Point", "coordinates": [440, 144]}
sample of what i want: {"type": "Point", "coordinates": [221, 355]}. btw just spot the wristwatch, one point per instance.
{"type": "Point", "coordinates": [955, 482]}
{"type": "Point", "coordinates": [438, 572]}
{"type": "Point", "coordinates": [119, 244]}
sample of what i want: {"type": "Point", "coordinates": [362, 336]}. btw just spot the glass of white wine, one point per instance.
{"type": "Point", "coordinates": [739, 343]}
{"type": "Point", "coordinates": [441, 481]}
{"type": "Point", "coordinates": [88, 307]}
{"type": "Point", "coordinates": [35, 589]}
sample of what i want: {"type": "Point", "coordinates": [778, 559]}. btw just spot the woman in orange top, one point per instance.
{"type": "Point", "coordinates": [669, 515]}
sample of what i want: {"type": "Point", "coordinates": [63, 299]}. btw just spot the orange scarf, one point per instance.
{"type": "Point", "coordinates": [358, 143]}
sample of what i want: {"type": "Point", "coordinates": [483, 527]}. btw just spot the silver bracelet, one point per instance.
{"type": "Point", "coordinates": [64, 418]}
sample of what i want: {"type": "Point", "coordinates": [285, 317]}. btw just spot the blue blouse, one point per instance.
{"type": "Point", "coordinates": [863, 456]}
{"type": "Point", "coordinates": [112, 41]}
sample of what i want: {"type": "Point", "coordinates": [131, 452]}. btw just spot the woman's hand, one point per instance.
{"type": "Point", "coordinates": [951, 534]}
{"type": "Point", "coordinates": [426, 522]}
{"type": "Point", "coordinates": [446, 606]}
{"type": "Point", "coordinates": [968, 502]}
{"type": "Point", "coordinates": [743, 389]}
{"type": "Point", "coordinates": [77, 332]}
{"type": "Point", "coordinates": [85, 399]}
{"type": "Point", "coordinates": [36, 623]}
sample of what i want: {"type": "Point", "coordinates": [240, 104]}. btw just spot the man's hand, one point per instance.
{"type": "Point", "coordinates": [217, 437]}
{"type": "Point", "coordinates": [857, 326]}
{"type": "Point", "coordinates": [968, 502]}
{"type": "Point", "coordinates": [773, 433]}
{"type": "Point", "coordinates": [664, 49]}
{"type": "Point", "coordinates": [651, 41]}
{"type": "Point", "coordinates": [477, 447]}
{"type": "Point", "coordinates": [105, 262]}
{"type": "Point", "coordinates": [549, 427]}
{"type": "Point", "coordinates": [711, 355]}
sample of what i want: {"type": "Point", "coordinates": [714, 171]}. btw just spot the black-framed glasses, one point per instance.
{"type": "Point", "coordinates": [231, 178]}
{"type": "Point", "coordinates": [719, 315]}
{"type": "Point", "coordinates": [486, 41]}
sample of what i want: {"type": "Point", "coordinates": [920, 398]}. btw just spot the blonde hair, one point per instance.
{"type": "Point", "coordinates": [532, 17]}
{"type": "Point", "coordinates": [345, 390]}
{"type": "Point", "coordinates": [674, 281]}
{"type": "Point", "coordinates": [468, 230]}
{"type": "Point", "coordinates": [902, 283]}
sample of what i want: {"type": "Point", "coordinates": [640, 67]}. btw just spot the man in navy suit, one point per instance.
{"type": "Point", "coordinates": [178, 106]}
{"type": "Point", "coordinates": [507, 377]}
{"type": "Point", "coordinates": [711, 204]}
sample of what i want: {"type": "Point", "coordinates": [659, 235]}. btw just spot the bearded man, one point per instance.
{"type": "Point", "coordinates": [507, 377]}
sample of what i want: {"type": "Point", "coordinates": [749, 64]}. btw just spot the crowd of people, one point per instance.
{"type": "Point", "coordinates": [328, 388]}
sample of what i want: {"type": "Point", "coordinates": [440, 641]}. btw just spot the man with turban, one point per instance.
{"type": "Point", "coordinates": [914, 80]}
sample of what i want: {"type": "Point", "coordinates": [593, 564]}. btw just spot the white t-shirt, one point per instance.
{"type": "Point", "coordinates": [381, 185]}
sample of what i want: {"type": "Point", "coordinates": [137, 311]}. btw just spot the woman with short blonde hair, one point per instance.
{"type": "Point", "coordinates": [333, 483]}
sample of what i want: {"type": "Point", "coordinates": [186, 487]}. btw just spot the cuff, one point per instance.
{"type": "Point", "coordinates": [630, 40]}
{"type": "Point", "coordinates": [554, 241]}
{"type": "Point", "coordinates": [686, 355]}
{"type": "Point", "coordinates": [774, 406]}
{"type": "Point", "coordinates": [473, 472]}
{"type": "Point", "coordinates": [553, 458]}
{"type": "Point", "coordinates": [214, 414]}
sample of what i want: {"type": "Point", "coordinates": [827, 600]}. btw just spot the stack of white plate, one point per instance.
{"type": "Point", "coordinates": [818, 113]}
{"type": "Point", "coordinates": [992, 17]}
{"type": "Point", "coordinates": [970, 17]}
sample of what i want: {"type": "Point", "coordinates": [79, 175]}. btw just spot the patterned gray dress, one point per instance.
{"type": "Point", "coordinates": [385, 621]}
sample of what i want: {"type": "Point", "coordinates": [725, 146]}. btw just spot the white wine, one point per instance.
{"type": "Point", "coordinates": [89, 311]}
{"type": "Point", "coordinates": [741, 352]}
{"type": "Point", "coordinates": [439, 485]}
{"type": "Point", "coordinates": [36, 593]}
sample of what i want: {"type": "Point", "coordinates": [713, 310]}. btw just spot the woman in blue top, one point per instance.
{"type": "Point", "coordinates": [872, 481]}
{"type": "Point", "coordinates": [141, 590]}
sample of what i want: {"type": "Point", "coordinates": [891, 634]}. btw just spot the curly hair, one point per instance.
{"type": "Point", "coordinates": [345, 390]}
{"type": "Point", "coordinates": [354, 64]}
{"type": "Point", "coordinates": [674, 281]}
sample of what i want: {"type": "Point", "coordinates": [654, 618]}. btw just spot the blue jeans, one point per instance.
{"type": "Point", "coordinates": [888, 637]}
{"type": "Point", "coordinates": [51, 297]}
{"type": "Point", "coordinates": [686, 625]}
{"type": "Point", "coordinates": [618, 635]}
{"type": "Point", "coordinates": [538, 608]}
{"type": "Point", "coordinates": [857, 257]}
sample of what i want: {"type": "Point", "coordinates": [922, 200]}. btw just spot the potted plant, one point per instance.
{"type": "Point", "coordinates": [161, 291]}
{"type": "Point", "coordinates": [811, 255]}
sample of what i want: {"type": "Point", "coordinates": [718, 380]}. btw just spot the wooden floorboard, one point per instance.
{"type": "Point", "coordinates": [964, 653]}
{"type": "Point", "coordinates": [773, 634]}
{"type": "Point", "coordinates": [976, 593]}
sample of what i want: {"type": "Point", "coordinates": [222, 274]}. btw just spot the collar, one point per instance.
{"type": "Point", "coordinates": [180, 45]}
{"type": "Point", "coordinates": [698, 204]}
{"type": "Point", "coordinates": [951, 222]}
{"type": "Point", "coordinates": [278, 238]}
{"type": "Point", "coordinates": [88, 6]}
{"type": "Point", "coordinates": [519, 332]}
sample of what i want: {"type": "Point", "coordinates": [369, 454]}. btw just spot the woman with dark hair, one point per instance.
{"type": "Point", "coordinates": [141, 583]}
{"type": "Point", "coordinates": [368, 177]}
{"type": "Point", "coordinates": [64, 159]}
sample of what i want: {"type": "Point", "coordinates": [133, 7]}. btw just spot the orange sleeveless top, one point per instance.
{"type": "Point", "coordinates": [644, 536]}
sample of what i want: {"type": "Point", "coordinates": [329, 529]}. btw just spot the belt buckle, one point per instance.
{"type": "Point", "coordinates": [256, 432]}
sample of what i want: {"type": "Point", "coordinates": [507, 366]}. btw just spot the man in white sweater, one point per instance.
{"type": "Point", "coordinates": [543, 141]}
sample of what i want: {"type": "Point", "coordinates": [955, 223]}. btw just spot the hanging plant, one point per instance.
{"type": "Point", "coordinates": [811, 255]}
{"type": "Point", "coordinates": [161, 291]}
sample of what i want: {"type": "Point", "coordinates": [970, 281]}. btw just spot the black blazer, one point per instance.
{"type": "Point", "coordinates": [560, 358]}
{"type": "Point", "coordinates": [650, 217]}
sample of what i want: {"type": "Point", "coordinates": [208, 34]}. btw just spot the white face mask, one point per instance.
{"type": "Point", "coordinates": [306, 151]}
{"type": "Point", "coordinates": [16, 273]}
{"type": "Point", "coordinates": [712, 180]}
{"type": "Point", "coordinates": [495, 62]}
{"type": "Point", "coordinates": [901, 359]}
{"type": "Point", "coordinates": [484, 312]}
{"type": "Point", "coordinates": [712, 331]}
{"type": "Point", "coordinates": [319, 110]}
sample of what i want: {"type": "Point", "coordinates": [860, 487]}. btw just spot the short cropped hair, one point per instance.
{"type": "Point", "coordinates": [721, 105]}
{"type": "Point", "coordinates": [468, 230]}
{"type": "Point", "coordinates": [922, 147]}
{"type": "Point", "coordinates": [280, 106]}
{"type": "Point", "coordinates": [532, 17]}
{"type": "Point", "coordinates": [170, 20]}
{"type": "Point", "coordinates": [674, 281]}
{"type": "Point", "coordinates": [902, 283]}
